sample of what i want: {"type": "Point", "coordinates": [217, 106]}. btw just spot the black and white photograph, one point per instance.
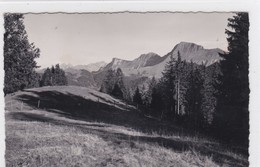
{"type": "Point", "coordinates": [126, 89]}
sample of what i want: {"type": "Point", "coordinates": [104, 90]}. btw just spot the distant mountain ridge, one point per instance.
{"type": "Point", "coordinates": [141, 69]}
{"type": "Point", "coordinates": [80, 75]}
{"type": "Point", "coordinates": [151, 64]}
{"type": "Point", "coordinates": [89, 67]}
{"type": "Point", "coordinates": [144, 60]}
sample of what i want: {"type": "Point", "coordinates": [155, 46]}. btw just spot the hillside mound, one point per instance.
{"type": "Point", "coordinates": [75, 126]}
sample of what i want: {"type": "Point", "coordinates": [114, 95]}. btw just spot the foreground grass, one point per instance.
{"type": "Point", "coordinates": [43, 144]}
{"type": "Point", "coordinates": [35, 137]}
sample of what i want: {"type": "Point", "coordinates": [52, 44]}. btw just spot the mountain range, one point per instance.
{"type": "Point", "coordinates": [141, 69]}
{"type": "Point", "coordinates": [152, 65]}
{"type": "Point", "coordinates": [89, 67]}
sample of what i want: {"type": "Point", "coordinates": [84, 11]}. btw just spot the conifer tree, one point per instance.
{"type": "Point", "coordinates": [54, 76]}
{"type": "Point", "coordinates": [46, 78]}
{"type": "Point", "coordinates": [117, 92]}
{"type": "Point", "coordinates": [148, 94]}
{"type": "Point", "coordinates": [121, 83]}
{"type": "Point", "coordinates": [19, 55]}
{"type": "Point", "coordinates": [108, 82]}
{"type": "Point", "coordinates": [232, 117]}
{"type": "Point", "coordinates": [59, 76]}
{"type": "Point", "coordinates": [168, 87]}
{"type": "Point", "coordinates": [209, 101]}
{"type": "Point", "coordinates": [156, 102]}
{"type": "Point", "coordinates": [193, 98]}
{"type": "Point", "coordinates": [114, 84]}
{"type": "Point", "coordinates": [137, 98]}
{"type": "Point", "coordinates": [180, 83]}
{"type": "Point", "coordinates": [173, 84]}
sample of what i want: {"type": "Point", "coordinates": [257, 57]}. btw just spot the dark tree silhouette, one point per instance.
{"type": "Point", "coordinates": [46, 78]}
{"type": "Point", "coordinates": [156, 103]}
{"type": "Point", "coordinates": [167, 83]}
{"type": "Point", "coordinates": [193, 98]}
{"type": "Point", "coordinates": [19, 56]}
{"type": "Point", "coordinates": [117, 92]}
{"type": "Point", "coordinates": [121, 83]}
{"type": "Point", "coordinates": [54, 76]}
{"type": "Point", "coordinates": [114, 84]}
{"type": "Point", "coordinates": [232, 116]}
{"type": "Point", "coordinates": [59, 76]}
{"type": "Point", "coordinates": [209, 100]}
{"type": "Point", "coordinates": [148, 94]}
{"type": "Point", "coordinates": [137, 98]}
{"type": "Point", "coordinates": [108, 82]}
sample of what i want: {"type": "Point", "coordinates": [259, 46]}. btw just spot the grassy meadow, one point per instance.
{"type": "Point", "coordinates": [75, 126]}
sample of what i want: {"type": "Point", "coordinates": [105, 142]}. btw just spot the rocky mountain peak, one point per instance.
{"type": "Point", "coordinates": [148, 55]}
{"type": "Point", "coordinates": [187, 47]}
{"type": "Point", "coordinates": [151, 64]}
{"type": "Point", "coordinates": [116, 60]}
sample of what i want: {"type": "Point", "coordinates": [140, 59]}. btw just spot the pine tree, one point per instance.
{"type": "Point", "coordinates": [113, 81]}
{"type": "Point", "coordinates": [232, 117]}
{"type": "Point", "coordinates": [128, 95]}
{"type": "Point", "coordinates": [46, 78]}
{"type": "Point", "coordinates": [137, 98]}
{"type": "Point", "coordinates": [174, 84]}
{"type": "Point", "coordinates": [148, 94]}
{"type": "Point", "coordinates": [180, 83]}
{"type": "Point", "coordinates": [108, 82]}
{"type": "Point", "coordinates": [193, 98]}
{"type": "Point", "coordinates": [54, 76]}
{"type": "Point", "coordinates": [143, 93]}
{"type": "Point", "coordinates": [117, 92]}
{"type": "Point", "coordinates": [59, 76]}
{"type": "Point", "coordinates": [168, 87]}
{"type": "Point", "coordinates": [19, 56]}
{"type": "Point", "coordinates": [121, 83]}
{"type": "Point", "coordinates": [209, 101]}
{"type": "Point", "coordinates": [156, 103]}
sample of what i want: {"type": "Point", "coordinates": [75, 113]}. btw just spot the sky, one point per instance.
{"type": "Point", "coordinates": [80, 39]}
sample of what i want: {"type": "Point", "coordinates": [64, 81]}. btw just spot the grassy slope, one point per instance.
{"type": "Point", "coordinates": [76, 126]}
